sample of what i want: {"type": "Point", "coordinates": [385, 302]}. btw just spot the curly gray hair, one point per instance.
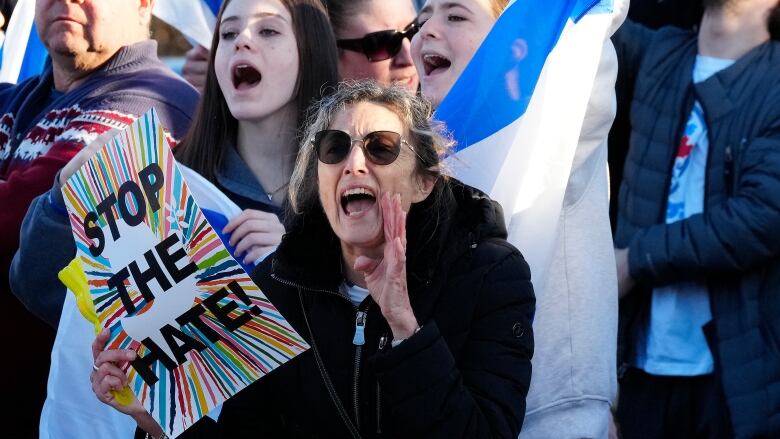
{"type": "Point", "coordinates": [429, 139]}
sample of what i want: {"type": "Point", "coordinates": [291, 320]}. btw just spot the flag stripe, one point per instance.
{"type": "Point", "coordinates": [481, 102]}
{"type": "Point", "coordinates": [517, 112]}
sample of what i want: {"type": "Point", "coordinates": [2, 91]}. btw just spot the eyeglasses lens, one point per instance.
{"type": "Point", "coordinates": [379, 46]}
{"type": "Point", "coordinates": [380, 147]}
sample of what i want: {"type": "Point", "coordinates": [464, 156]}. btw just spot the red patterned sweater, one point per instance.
{"type": "Point", "coordinates": [40, 131]}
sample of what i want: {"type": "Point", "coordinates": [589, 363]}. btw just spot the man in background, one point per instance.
{"type": "Point", "coordinates": [103, 73]}
{"type": "Point", "coordinates": [697, 248]}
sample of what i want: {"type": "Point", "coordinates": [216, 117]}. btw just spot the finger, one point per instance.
{"type": "Point", "coordinates": [402, 230]}
{"type": "Point", "coordinates": [254, 226]}
{"type": "Point", "coordinates": [111, 369]}
{"type": "Point", "coordinates": [117, 356]}
{"type": "Point", "coordinates": [235, 222]}
{"type": "Point", "coordinates": [256, 252]}
{"type": "Point", "coordinates": [194, 67]}
{"type": "Point", "coordinates": [387, 217]}
{"type": "Point", "coordinates": [255, 239]}
{"type": "Point", "coordinates": [401, 226]}
{"type": "Point", "coordinates": [398, 213]}
{"type": "Point", "coordinates": [400, 255]}
{"type": "Point", "coordinates": [247, 215]}
{"type": "Point", "coordinates": [109, 383]}
{"type": "Point", "coordinates": [100, 342]}
{"type": "Point", "coordinates": [364, 264]}
{"type": "Point", "coordinates": [200, 52]}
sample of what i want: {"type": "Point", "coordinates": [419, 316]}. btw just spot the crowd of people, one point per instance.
{"type": "Point", "coordinates": [315, 118]}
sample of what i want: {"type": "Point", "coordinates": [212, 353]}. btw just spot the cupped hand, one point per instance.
{"type": "Point", "coordinates": [254, 233]}
{"type": "Point", "coordinates": [386, 278]}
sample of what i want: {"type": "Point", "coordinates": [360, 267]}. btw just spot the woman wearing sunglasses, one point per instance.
{"type": "Point", "coordinates": [571, 389]}
{"type": "Point", "coordinates": [373, 37]}
{"type": "Point", "coordinates": [417, 309]}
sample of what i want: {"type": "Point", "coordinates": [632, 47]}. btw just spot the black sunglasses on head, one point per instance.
{"type": "Point", "coordinates": [379, 147]}
{"type": "Point", "coordinates": [382, 45]}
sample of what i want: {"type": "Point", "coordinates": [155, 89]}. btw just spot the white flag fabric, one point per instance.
{"type": "Point", "coordinates": [23, 54]}
{"type": "Point", "coordinates": [193, 18]}
{"type": "Point", "coordinates": [517, 110]}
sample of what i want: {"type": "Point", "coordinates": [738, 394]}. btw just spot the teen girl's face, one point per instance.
{"type": "Point", "coordinates": [450, 33]}
{"type": "Point", "coordinates": [256, 61]}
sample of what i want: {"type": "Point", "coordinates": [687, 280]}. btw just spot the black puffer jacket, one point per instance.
{"type": "Point", "coordinates": [464, 374]}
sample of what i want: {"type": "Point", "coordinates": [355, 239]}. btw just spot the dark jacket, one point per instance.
{"type": "Point", "coordinates": [734, 245]}
{"type": "Point", "coordinates": [464, 374]}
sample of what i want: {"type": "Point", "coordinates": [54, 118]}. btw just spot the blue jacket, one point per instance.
{"type": "Point", "coordinates": [734, 245]}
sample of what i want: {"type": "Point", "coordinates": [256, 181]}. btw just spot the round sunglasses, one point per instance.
{"type": "Point", "coordinates": [382, 45]}
{"type": "Point", "coordinates": [379, 147]}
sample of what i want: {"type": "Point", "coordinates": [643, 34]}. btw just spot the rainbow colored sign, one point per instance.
{"type": "Point", "coordinates": [165, 285]}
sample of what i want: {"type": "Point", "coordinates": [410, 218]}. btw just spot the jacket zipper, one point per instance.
{"type": "Point", "coordinates": [382, 343]}
{"type": "Point", "coordinates": [358, 339]}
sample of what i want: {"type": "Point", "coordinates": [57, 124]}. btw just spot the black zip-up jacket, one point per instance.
{"type": "Point", "coordinates": [465, 374]}
{"type": "Point", "coordinates": [734, 244]}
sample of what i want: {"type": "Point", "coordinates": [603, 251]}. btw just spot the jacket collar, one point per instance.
{"type": "Point", "coordinates": [235, 176]}
{"type": "Point", "coordinates": [722, 93]}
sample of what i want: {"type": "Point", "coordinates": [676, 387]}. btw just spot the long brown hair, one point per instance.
{"type": "Point", "coordinates": [214, 127]}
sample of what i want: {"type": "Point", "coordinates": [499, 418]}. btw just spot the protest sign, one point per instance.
{"type": "Point", "coordinates": [164, 284]}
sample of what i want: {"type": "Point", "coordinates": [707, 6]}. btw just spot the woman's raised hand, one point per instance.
{"type": "Point", "coordinates": [386, 278]}
{"type": "Point", "coordinates": [254, 233]}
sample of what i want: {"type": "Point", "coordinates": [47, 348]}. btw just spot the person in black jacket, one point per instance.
{"type": "Point", "coordinates": [698, 253]}
{"type": "Point", "coordinates": [417, 309]}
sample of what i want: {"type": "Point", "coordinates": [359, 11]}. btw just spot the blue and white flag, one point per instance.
{"type": "Point", "coordinates": [22, 55]}
{"type": "Point", "coordinates": [517, 110]}
{"type": "Point", "coordinates": [193, 18]}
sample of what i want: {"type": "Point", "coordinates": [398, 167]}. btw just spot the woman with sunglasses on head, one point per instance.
{"type": "Point", "coordinates": [570, 391]}
{"type": "Point", "coordinates": [373, 40]}
{"type": "Point", "coordinates": [417, 309]}
{"type": "Point", "coordinates": [373, 37]}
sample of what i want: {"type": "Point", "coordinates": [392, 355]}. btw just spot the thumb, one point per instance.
{"type": "Point", "coordinates": [364, 264]}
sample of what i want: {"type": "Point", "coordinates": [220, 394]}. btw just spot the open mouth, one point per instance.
{"type": "Point", "coordinates": [357, 200]}
{"type": "Point", "coordinates": [245, 76]}
{"type": "Point", "coordinates": [435, 64]}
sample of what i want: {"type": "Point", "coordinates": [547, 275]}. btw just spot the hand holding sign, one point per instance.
{"type": "Point", "coordinates": [75, 280]}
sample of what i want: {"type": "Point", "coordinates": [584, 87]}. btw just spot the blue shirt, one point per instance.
{"type": "Point", "coordinates": [675, 343]}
